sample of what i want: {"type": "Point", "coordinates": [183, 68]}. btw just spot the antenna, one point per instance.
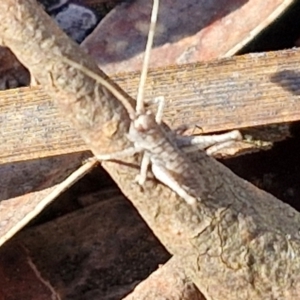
{"type": "Point", "coordinates": [103, 82]}
{"type": "Point", "coordinates": [140, 95]}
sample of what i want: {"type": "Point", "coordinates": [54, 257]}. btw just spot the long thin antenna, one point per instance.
{"type": "Point", "coordinates": [103, 82]}
{"type": "Point", "coordinates": [113, 90]}
{"type": "Point", "coordinates": [98, 79]}
{"type": "Point", "coordinates": [140, 95]}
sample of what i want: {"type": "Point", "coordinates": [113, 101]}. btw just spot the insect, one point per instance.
{"type": "Point", "coordinates": [161, 148]}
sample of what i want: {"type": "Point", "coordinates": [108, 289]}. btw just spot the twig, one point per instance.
{"type": "Point", "coordinates": [46, 200]}
{"type": "Point", "coordinates": [224, 243]}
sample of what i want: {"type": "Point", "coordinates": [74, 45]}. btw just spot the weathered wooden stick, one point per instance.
{"type": "Point", "coordinates": [167, 282]}
{"type": "Point", "coordinates": [238, 92]}
{"type": "Point", "coordinates": [239, 243]}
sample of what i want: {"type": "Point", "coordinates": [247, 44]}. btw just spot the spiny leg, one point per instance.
{"type": "Point", "coordinates": [215, 148]}
{"type": "Point", "coordinates": [160, 108]}
{"type": "Point", "coordinates": [212, 143]}
{"type": "Point", "coordinates": [163, 176]}
{"type": "Point", "coordinates": [142, 176]}
{"type": "Point", "coordinates": [117, 155]}
{"type": "Point", "coordinates": [207, 141]}
{"type": "Point", "coordinates": [160, 101]}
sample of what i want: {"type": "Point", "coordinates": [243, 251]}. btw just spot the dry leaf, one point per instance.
{"type": "Point", "coordinates": [187, 31]}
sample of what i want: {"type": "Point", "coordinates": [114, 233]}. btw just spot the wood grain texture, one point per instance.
{"type": "Point", "coordinates": [250, 90]}
{"type": "Point", "coordinates": [238, 243]}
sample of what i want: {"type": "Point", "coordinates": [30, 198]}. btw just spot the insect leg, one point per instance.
{"type": "Point", "coordinates": [142, 176]}
{"type": "Point", "coordinates": [206, 141]}
{"type": "Point", "coordinates": [117, 155]}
